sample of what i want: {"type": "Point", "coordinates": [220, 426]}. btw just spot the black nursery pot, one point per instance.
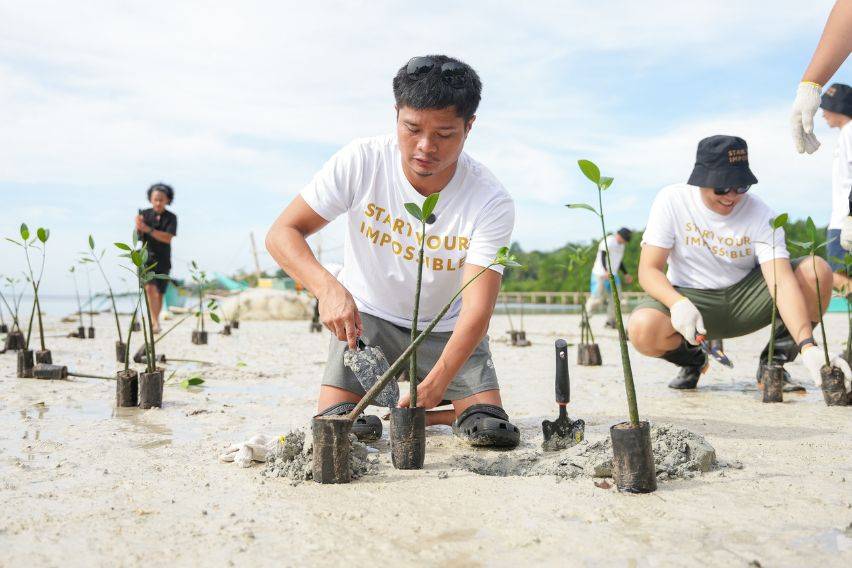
{"type": "Point", "coordinates": [139, 356]}
{"type": "Point", "coordinates": [137, 326]}
{"type": "Point", "coordinates": [15, 341]}
{"type": "Point", "coordinates": [91, 333]}
{"type": "Point", "coordinates": [4, 328]}
{"type": "Point", "coordinates": [589, 355]}
{"type": "Point", "coordinates": [81, 332]}
{"type": "Point", "coordinates": [235, 324]}
{"type": "Point", "coordinates": [632, 458]}
{"type": "Point", "coordinates": [120, 352]}
{"type": "Point", "coordinates": [199, 337]}
{"type": "Point", "coordinates": [25, 364]}
{"type": "Point", "coordinates": [513, 337]}
{"type": "Point", "coordinates": [44, 357]}
{"type": "Point", "coordinates": [833, 389]}
{"type": "Point", "coordinates": [408, 437]}
{"type": "Point", "coordinates": [773, 383]}
{"type": "Point", "coordinates": [50, 372]}
{"type": "Point", "coordinates": [127, 388]}
{"type": "Point", "coordinates": [226, 330]}
{"type": "Point", "coordinates": [331, 449]}
{"type": "Point", "coordinates": [151, 389]}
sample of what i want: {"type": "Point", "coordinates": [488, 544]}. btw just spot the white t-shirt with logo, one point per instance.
{"type": "Point", "coordinates": [841, 177]}
{"type": "Point", "coordinates": [708, 250]}
{"type": "Point", "coordinates": [474, 219]}
{"type": "Point", "coordinates": [616, 251]}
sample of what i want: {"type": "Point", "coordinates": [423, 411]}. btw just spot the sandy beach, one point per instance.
{"type": "Point", "coordinates": [84, 484]}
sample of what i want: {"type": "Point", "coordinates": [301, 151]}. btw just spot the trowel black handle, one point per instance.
{"type": "Point", "coordinates": [563, 385]}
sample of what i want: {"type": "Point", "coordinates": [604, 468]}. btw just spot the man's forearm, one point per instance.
{"type": "Point", "coordinates": [290, 250]}
{"type": "Point", "coordinates": [161, 236]}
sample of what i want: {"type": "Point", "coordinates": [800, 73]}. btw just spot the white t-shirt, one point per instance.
{"type": "Point", "coordinates": [708, 250]}
{"type": "Point", "coordinates": [616, 251]}
{"type": "Point", "coordinates": [474, 218]}
{"type": "Point", "coordinates": [841, 177]}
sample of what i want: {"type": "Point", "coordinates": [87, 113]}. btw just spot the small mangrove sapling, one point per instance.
{"type": "Point", "coordinates": [91, 256]}
{"type": "Point", "coordinates": [41, 236]}
{"type": "Point", "coordinates": [202, 284]}
{"type": "Point", "coordinates": [633, 459]}
{"type": "Point", "coordinates": [14, 338]}
{"type": "Point", "coordinates": [81, 329]}
{"type": "Point", "coordinates": [773, 375]}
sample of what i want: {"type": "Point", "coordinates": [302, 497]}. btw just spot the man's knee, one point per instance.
{"type": "Point", "coordinates": [644, 331]}
{"type": "Point", "coordinates": [813, 268]}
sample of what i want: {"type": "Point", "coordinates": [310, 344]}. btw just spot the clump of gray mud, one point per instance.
{"type": "Point", "coordinates": [678, 454]}
{"type": "Point", "coordinates": [293, 458]}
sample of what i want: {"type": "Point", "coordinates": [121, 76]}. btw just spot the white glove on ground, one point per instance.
{"type": "Point", "coordinates": [802, 117]}
{"type": "Point", "coordinates": [254, 449]}
{"type": "Point", "coordinates": [687, 320]}
{"type": "Point", "coordinates": [846, 233]}
{"type": "Point", "coordinates": [814, 359]}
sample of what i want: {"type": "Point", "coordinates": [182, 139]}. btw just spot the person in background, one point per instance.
{"type": "Point", "coordinates": [157, 226]}
{"type": "Point", "coordinates": [837, 110]}
{"type": "Point", "coordinates": [833, 49]}
{"type": "Point", "coordinates": [599, 287]}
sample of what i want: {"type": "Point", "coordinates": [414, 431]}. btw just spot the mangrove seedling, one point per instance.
{"type": "Point", "coordinates": [91, 303]}
{"type": "Point", "coordinates": [202, 284]}
{"type": "Point", "coordinates": [773, 374]}
{"type": "Point", "coordinates": [331, 433]}
{"type": "Point", "coordinates": [633, 460]}
{"type": "Point", "coordinates": [14, 337]}
{"type": "Point", "coordinates": [588, 351]}
{"type": "Point", "coordinates": [408, 425]}
{"type": "Point", "coordinates": [151, 381]}
{"type": "Point", "coordinates": [39, 243]}
{"type": "Point", "coordinates": [833, 380]}
{"type": "Point", "coordinates": [92, 256]}
{"type": "Point", "coordinates": [81, 329]}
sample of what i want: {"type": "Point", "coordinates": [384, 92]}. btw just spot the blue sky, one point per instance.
{"type": "Point", "coordinates": [237, 104]}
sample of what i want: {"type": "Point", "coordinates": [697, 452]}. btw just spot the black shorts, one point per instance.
{"type": "Point", "coordinates": [161, 284]}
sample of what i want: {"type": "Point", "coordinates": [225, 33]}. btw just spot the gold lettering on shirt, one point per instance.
{"type": "Point", "coordinates": [728, 246]}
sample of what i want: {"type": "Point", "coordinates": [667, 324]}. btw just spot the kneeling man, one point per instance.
{"type": "Point", "coordinates": [369, 181]}
{"type": "Point", "coordinates": [717, 242]}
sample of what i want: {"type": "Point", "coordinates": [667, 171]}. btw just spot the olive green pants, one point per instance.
{"type": "Point", "coordinates": [740, 309]}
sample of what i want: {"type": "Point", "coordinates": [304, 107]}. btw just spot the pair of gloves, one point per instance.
{"type": "Point", "coordinates": [687, 320]}
{"type": "Point", "coordinates": [802, 122]}
{"type": "Point", "coordinates": [255, 449]}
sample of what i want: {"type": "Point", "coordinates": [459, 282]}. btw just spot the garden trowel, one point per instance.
{"type": "Point", "coordinates": [562, 432]}
{"type": "Point", "coordinates": [368, 364]}
{"type": "Point", "coordinates": [713, 349]}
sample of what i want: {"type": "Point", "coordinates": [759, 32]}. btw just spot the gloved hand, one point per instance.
{"type": "Point", "coordinates": [254, 449]}
{"type": "Point", "coordinates": [802, 117]}
{"type": "Point", "coordinates": [814, 359]}
{"type": "Point", "coordinates": [846, 233]}
{"type": "Point", "coordinates": [687, 320]}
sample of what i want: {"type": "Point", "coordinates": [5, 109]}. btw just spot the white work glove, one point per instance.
{"type": "Point", "coordinates": [846, 233]}
{"type": "Point", "coordinates": [687, 320]}
{"type": "Point", "coordinates": [254, 449]}
{"type": "Point", "coordinates": [814, 359]}
{"type": "Point", "coordinates": [802, 117]}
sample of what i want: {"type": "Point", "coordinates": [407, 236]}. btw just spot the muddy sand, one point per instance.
{"type": "Point", "coordinates": [84, 484]}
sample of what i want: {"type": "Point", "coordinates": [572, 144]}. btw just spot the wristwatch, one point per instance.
{"type": "Point", "coordinates": [806, 341]}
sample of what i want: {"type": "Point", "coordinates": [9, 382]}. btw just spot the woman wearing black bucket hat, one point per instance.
{"type": "Point", "coordinates": [716, 239]}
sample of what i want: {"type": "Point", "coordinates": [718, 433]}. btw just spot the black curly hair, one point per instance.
{"type": "Point", "coordinates": [167, 189]}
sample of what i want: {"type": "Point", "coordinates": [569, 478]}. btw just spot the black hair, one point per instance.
{"type": "Point", "coordinates": [167, 189]}
{"type": "Point", "coordinates": [430, 91]}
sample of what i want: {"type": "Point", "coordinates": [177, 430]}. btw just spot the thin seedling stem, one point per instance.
{"type": "Point", "coordinates": [819, 305]}
{"type": "Point", "coordinates": [412, 366]}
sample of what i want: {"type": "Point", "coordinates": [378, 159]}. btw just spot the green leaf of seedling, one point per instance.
{"type": "Point", "coordinates": [821, 245]}
{"type": "Point", "coordinates": [43, 234]}
{"type": "Point", "coordinates": [91, 242]}
{"type": "Point", "coordinates": [590, 170]}
{"type": "Point", "coordinates": [504, 258]}
{"type": "Point", "coordinates": [414, 210]}
{"type": "Point", "coordinates": [779, 221]}
{"type": "Point", "coordinates": [214, 317]}
{"type": "Point", "coordinates": [429, 205]}
{"type": "Point", "coordinates": [582, 206]}
{"type": "Point", "coordinates": [811, 227]}
{"type": "Point", "coordinates": [25, 232]}
{"type": "Point", "coordinates": [14, 241]}
{"type": "Point", "coordinates": [123, 246]}
{"type": "Point", "coordinates": [191, 382]}
{"type": "Point", "coordinates": [194, 265]}
{"type": "Point", "coordinates": [241, 364]}
{"type": "Point", "coordinates": [606, 182]}
{"type": "Point", "coordinates": [136, 257]}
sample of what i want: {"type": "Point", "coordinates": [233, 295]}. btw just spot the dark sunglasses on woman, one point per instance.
{"type": "Point", "coordinates": [726, 190]}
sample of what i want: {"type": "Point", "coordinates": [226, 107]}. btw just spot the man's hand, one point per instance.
{"type": "Point", "coordinates": [140, 225]}
{"type": "Point", "coordinates": [814, 359]}
{"type": "Point", "coordinates": [340, 315]}
{"type": "Point", "coordinates": [687, 320]}
{"type": "Point", "coordinates": [429, 394]}
{"type": "Point", "coordinates": [846, 233]}
{"type": "Point", "coordinates": [802, 117]}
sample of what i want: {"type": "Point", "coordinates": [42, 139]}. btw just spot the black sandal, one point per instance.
{"type": "Point", "coordinates": [367, 427]}
{"type": "Point", "coordinates": [487, 426]}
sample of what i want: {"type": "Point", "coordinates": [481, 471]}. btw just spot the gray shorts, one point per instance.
{"type": "Point", "coordinates": [475, 376]}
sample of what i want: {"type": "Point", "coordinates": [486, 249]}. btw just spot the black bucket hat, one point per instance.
{"type": "Point", "coordinates": [838, 98]}
{"type": "Point", "coordinates": [625, 234]}
{"type": "Point", "coordinates": [722, 161]}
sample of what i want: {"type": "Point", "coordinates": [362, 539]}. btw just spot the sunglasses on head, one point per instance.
{"type": "Point", "coordinates": [452, 73]}
{"type": "Point", "coordinates": [726, 190]}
